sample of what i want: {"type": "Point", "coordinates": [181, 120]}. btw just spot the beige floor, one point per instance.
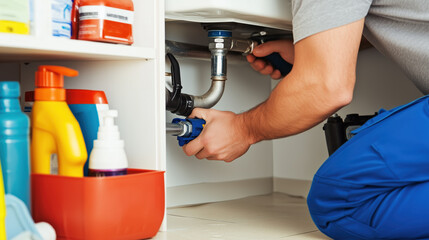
{"type": "Point", "coordinates": [269, 217]}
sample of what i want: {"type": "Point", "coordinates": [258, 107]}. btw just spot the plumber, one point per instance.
{"type": "Point", "coordinates": [376, 186]}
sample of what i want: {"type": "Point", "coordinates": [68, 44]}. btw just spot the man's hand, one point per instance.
{"type": "Point", "coordinates": [224, 137]}
{"type": "Point", "coordinates": [321, 82]}
{"type": "Point", "coordinates": [283, 47]}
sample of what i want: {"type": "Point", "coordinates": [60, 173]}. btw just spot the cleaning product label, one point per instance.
{"type": "Point", "coordinates": [15, 16]}
{"type": "Point", "coordinates": [106, 13]}
{"type": "Point", "coordinates": [106, 22]}
{"type": "Point", "coordinates": [28, 106]}
{"type": "Point", "coordinates": [17, 11]}
{"type": "Point", "coordinates": [61, 18]}
{"type": "Point", "coordinates": [107, 173]}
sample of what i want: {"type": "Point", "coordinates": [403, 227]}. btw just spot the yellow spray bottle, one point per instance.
{"type": "Point", "coordinates": [2, 209]}
{"type": "Point", "coordinates": [54, 128]}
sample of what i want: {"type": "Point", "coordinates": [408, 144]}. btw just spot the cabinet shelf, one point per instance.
{"type": "Point", "coordinates": [26, 47]}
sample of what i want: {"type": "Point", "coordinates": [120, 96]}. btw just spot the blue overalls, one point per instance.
{"type": "Point", "coordinates": [376, 186]}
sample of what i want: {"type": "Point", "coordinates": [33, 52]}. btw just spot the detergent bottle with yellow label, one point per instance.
{"type": "Point", "coordinates": [54, 128]}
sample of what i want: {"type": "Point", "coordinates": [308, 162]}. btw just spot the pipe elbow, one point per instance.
{"type": "Point", "coordinates": [211, 97]}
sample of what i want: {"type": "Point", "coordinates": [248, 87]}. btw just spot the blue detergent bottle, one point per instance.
{"type": "Point", "coordinates": [86, 106]}
{"type": "Point", "coordinates": [14, 143]}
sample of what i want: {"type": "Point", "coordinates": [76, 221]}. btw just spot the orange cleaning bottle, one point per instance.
{"type": "Point", "coordinates": [106, 20]}
{"type": "Point", "coordinates": [54, 128]}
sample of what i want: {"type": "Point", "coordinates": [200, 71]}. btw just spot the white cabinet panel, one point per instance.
{"type": "Point", "coordinates": [267, 13]}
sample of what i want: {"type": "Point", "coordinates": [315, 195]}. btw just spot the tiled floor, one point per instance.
{"type": "Point", "coordinates": [268, 217]}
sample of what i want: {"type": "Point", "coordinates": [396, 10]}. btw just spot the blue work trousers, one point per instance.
{"type": "Point", "coordinates": [376, 186]}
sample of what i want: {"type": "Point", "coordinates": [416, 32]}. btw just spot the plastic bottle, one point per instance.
{"type": "Point", "coordinates": [61, 18]}
{"type": "Point", "coordinates": [106, 21]}
{"type": "Point", "coordinates": [54, 128]}
{"type": "Point", "coordinates": [75, 19]}
{"type": "Point", "coordinates": [86, 106]}
{"type": "Point", "coordinates": [15, 16]}
{"type": "Point", "coordinates": [28, 103]}
{"type": "Point", "coordinates": [18, 218]}
{"type": "Point", "coordinates": [108, 156]}
{"type": "Point", "coordinates": [14, 143]}
{"type": "Point", "coordinates": [2, 209]}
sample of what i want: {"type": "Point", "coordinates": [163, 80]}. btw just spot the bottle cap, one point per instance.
{"type": "Point", "coordinates": [82, 96]}
{"type": "Point", "coordinates": [50, 82]}
{"type": "Point", "coordinates": [9, 89]}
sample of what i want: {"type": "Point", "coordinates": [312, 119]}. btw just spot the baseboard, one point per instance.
{"type": "Point", "coordinates": [293, 187]}
{"type": "Point", "coordinates": [218, 191]}
{"type": "Point", "coordinates": [222, 191]}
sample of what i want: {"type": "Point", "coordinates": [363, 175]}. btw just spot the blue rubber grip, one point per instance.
{"type": "Point", "coordinates": [197, 128]}
{"type": "Point", "coordinates": [279, 63]}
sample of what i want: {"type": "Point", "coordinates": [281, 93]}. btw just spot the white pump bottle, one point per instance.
{"type": "Point", "coordinates": [108, 156]}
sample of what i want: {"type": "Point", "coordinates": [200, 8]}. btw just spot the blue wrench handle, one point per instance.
{"type": "Point", "coordinates": [279, 63]}
{"type": "Point", "coordinates": [197, 128]}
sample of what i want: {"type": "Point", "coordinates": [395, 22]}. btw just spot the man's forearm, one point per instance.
{"type": "Point", "coordinates": [298, 103]}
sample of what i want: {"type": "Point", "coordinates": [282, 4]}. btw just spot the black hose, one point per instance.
{"type": "Point", "coordinates": [175, 76]}
{"type": "Point", "coordinates": [178, 103]}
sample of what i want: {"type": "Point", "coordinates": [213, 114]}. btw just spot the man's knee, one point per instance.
{"type": "Point", "coordinates": [331, 213]}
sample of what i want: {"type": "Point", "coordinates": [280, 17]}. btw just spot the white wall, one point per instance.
{"type": "Point", "coordinates": [244, 89]}
{"type": "Point", "coordinates": [380, 84]}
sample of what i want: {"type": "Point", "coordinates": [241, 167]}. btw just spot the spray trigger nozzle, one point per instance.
{"type": "Point", "coordinates": [108, 129]}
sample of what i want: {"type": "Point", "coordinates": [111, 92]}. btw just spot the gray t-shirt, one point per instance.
{"type": "Point", "coordinates": [397, 28]}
